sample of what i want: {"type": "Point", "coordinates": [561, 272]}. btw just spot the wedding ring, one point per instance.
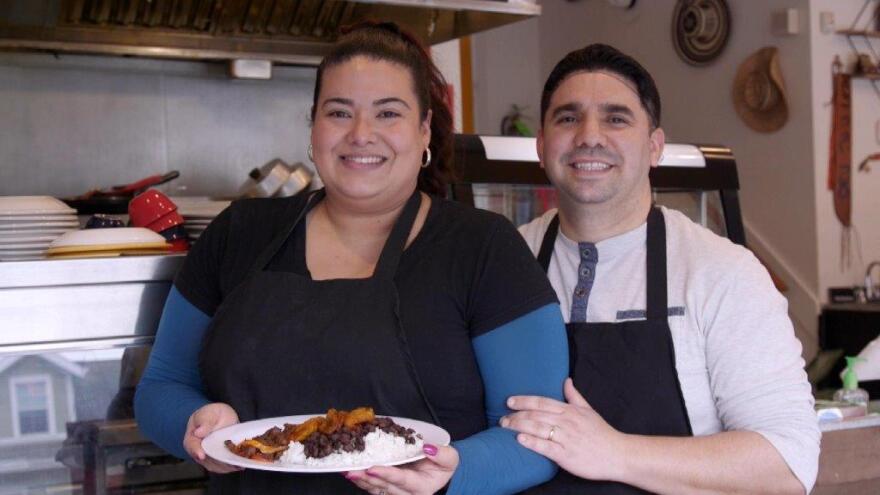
{"type": "Point", "coordinates": [552, 432]}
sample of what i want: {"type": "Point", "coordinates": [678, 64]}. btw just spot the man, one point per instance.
{"type": "Point", "coordinates": [686, 376]}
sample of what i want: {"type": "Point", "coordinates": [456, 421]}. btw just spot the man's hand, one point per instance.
{"type": "Point", "coordinates": [420, 478]}
{"type": "Point", "coordinates": [571, 434]}
{"type": "Point", "coordinates": [206, 419]}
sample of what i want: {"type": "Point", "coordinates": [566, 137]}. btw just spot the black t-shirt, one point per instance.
{"type": "Point", "coordinates": [466, 273]}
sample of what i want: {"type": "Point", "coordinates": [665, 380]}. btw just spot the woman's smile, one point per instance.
{"type": "Point", "coordinates": [363, 161]}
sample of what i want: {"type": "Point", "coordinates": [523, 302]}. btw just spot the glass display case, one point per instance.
{"type": "Point", "coordinates": [502, 174]}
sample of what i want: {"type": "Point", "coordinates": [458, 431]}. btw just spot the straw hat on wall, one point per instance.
{"type": "Point", "coordinates": [759, 91]}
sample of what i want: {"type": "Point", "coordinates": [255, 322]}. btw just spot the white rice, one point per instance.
{"type": "Point", "coordinates": [379, 448]}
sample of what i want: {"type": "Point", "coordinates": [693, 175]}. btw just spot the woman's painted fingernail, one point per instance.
{"type": "Point", "coordinates": [504, 421]}
{"type": "Point", "coordinates": [429, 449]}
{"type": "Point", "coordinates": [351, 476]}
{"type": "Point", "coordinates": [511, 402]}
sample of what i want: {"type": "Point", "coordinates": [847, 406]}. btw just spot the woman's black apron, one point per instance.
{"type": "Point", "coordinates": [626, 370]}
{"type": "Point", "coordinates": [283, 344]}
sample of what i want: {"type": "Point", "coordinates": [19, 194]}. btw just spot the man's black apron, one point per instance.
{"type": "Point", "coordinates": [626, 371]}
{"type": "Point", "coordinates": [282, 344]}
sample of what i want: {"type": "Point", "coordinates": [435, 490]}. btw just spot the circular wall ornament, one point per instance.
{"type": "Point", "coordinates": [700, 29]}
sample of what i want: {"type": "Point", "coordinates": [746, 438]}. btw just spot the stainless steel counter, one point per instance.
{"type": "Point", "coordinates": [75, 337]}
{"type": "Point", "coordinates": [82, 303]}
{"type": "Point", "coordinates": [850, 451]}
{"type": "Point", "coordinates": [871, 420]}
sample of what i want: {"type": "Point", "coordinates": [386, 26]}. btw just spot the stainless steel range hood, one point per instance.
{"type": "Point", "coordinates": [281, 31]}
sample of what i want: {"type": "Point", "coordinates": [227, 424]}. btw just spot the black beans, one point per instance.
{"type": "Point", "coordinates": [319, 445]}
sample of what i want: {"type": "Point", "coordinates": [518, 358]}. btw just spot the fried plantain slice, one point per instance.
{"type": "Point", "coordinates": [335, 420]}
{"type": "Point", "coordinates": [263, 448]}
{"type": "Point", "coordinates": [302, 431]}
{"type": "Point", "coordinates": [358, 416]}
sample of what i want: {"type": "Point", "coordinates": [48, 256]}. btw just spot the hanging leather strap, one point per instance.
{"type": "Point", "coordinates": [840, 156]}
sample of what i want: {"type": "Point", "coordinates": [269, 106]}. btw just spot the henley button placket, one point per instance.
{"type": "Point", "coordinates": [586, 274]}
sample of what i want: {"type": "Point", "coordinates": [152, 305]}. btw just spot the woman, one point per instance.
{"type": "Point", "coordinates": [374, 291]}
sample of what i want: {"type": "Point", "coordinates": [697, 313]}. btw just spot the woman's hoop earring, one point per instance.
{"type": "Point", "coordinates": [311, 154]}
{"type": "Point", "coordinates": [428, 159]}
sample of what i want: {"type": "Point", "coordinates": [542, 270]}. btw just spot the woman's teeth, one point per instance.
{"type": "Point", "coordinates": [591, 166]}
{"type": "Point", "coordinates": [365, 160]}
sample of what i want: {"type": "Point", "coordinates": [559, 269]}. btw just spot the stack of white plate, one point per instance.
{"type": "Point", "coordinates": [28, 224]}
{"type": "Point", "coordinates": [198, 212]}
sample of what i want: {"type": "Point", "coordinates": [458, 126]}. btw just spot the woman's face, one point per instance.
{"type": "Point", "coordinates": [367, 137]}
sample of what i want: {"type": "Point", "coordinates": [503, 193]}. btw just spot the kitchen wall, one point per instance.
{"type": "Point", "coordinates": [776, 170]}
{"type": "Point", "coordinates": [71, 123]}
{"type": "Point", "coordinates": [507, 70]}
{"type": "Point", "coordinates": [446, 57]}
{"type": "Point", "coordinates": [866, 140]}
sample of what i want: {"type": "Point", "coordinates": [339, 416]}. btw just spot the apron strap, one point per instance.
{"type": "Point", "coordinates": [267, 254]}
{"type": "Point", "coordinates": [656, 266]}
{"type": "Point", "coordinates": [386, 267]}
{"type": "Point", "coordinates": [547, 244]}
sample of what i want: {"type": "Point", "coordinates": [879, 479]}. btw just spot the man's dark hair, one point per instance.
{"type": "Point", "coordinates": [598, 57]}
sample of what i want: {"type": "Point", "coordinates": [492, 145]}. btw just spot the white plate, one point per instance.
{"type": "Point", "coordinates": [213, 444]}
{"type": "Point", "coordinates": [22, 258]}
{"type": "Point", "coordinates": [33, 205]}
{"type": "Point", "coordinates": [37, 218]}
{"type": "Point", "coordinates": [17, 239]}
{"type": "Point", "coordinates": [39, 226]}
{"type": "Point", "coordinates": [199, 206]}
{"type": "Point", "coordinates": [121, 235]}
{"type": "Point", "coordinates": [21, 252]}
{"type": "Point", "coordinates": [21, 235]}
{"type": "Point", "coordinates": [25, 245]}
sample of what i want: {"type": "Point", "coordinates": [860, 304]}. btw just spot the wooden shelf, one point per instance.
{"type": "Point", "coordinates": [871, 77]}
{"type": "Point", "coordinates": [853, 32]}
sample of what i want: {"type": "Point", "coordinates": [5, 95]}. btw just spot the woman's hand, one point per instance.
{"type": "Point", "coordinates": [206, 419]}
{"type": "Point", "coordinates": [423, 477]}
{"type": "Point", "coordinates": [571, 434]}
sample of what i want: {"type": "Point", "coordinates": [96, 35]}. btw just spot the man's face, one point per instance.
{"type": "Point", "coordinates": [596, 143]}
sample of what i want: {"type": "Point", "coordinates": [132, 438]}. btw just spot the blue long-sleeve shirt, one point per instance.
{"type": "Point", "coordinates": [528, 355]}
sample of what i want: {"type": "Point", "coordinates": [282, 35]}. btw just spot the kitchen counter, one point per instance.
{"type": "Point", "coordinates": [866, 307]}
{"type": "Point", "coordinates": [849, 462]}
{"type": "Point", "coordinates": [74, 337]}
{"type": "Point", "coordinates": [85, 303]}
